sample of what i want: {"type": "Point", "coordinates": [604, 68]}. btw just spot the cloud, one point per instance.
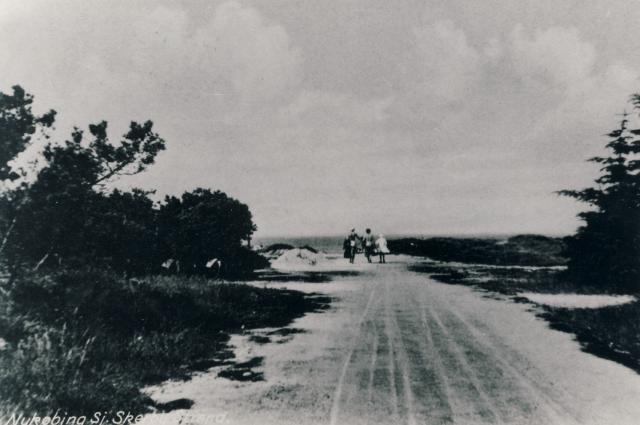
{"type": "Point", "coordinates": [450, 66]}
{"type": "Point", "coordinates": [146, 57]}
{"type": "Point", "coordinates": [577, 99]}
{"type": "Point", "coordinates": [556, 56]}
{"type": "Point", "coordinates": [334, 109]}
{"type": "Point", "coordinates": [541, 76]}
{"type": "Point", "coordinates": [359, 112]}
{"type": "Point", "coordinates": [98, 61]}
{"type": "Point", "coordinates": [509, 118]}
{"type": "Point", "coordinates": [257, 58]}
{"type": "Point", "coordinates": [556, 60]}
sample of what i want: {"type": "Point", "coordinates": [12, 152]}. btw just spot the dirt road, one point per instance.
{"type": "Point", "coordinates": [398, 347]}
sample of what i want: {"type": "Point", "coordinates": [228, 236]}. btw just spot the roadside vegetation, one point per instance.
{"type": "Point", "coordinates": [610, 332]}
{"type": "Point", "coordinates": [606, 249]}
{"type": "Point", "coordinates": [85, 341]}
{"type": "Point", "coordinates": [88, 315]}
{"type": "Point", "coordinates": [522, 250]}
{"type": "Point", "coordinates": [603, 257]}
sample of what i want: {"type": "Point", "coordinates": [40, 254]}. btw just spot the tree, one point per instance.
{"type": "Point", "coordinates": [606, 250]}
{"type": "Point", "coordinates": [66, 215]}
{"type": "Point", "coordinates": [202, 225]}
{"type": "Point", "coordinates": [122, 232]}
{"type": "Point", "coordinates": [18, 125]}
{"type": "Point", "coordinates": [57, 214]}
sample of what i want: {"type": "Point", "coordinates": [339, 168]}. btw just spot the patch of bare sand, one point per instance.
{"type": "Point", "coordinates": [299, 259]}
{"type": "Point", "coordinates": [304, 260]}
{"type": "Point", "coordinates": [577, 300]}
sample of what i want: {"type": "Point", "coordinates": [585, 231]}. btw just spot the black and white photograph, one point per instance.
{"type": "Point", "coordinates": [319, 212]}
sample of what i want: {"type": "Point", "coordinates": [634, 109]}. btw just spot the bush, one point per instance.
{"type": "Point", "coordinates": [606, 249]}
{"type": "Point", "coordinates": [50, 370]}
{"type": "Point", "coordinates": [243, 261]}
{"type": "Point", "coordinates": [87, 340]}
{"type": "Point", "coordinates": [522, 250]}
{"type": "Point", "coordinates": [65, 216]}
{"type": "Point", "coordinates": [205, 224]}
{"type": "Point", "coordinates": [277, 247]}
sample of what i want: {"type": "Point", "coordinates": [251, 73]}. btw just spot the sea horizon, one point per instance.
{"type": "Point", "coordinates": [333, 243]}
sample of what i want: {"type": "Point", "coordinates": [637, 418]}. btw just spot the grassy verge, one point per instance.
{"type": "Point", "coordinates": [87, 341]}
{"type": "Point", "coordinates": [609, 332]}
{"type": "Point", "coordinates": [504, 280]}
{"type": "Point", "coordinates": [522, 250]}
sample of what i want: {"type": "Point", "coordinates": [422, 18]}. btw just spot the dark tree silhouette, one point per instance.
{"type": "Point", "coordinates": [202, 225]}
{"type": "Point", "coordinates": [56, 214]}
{"type": "Point", "coordinates": [58, 211]}
{"type": "Point", "coordinates": [66, 215]}
{"type": "Point", "coordinates": [605, 251]}
{"type": "Point", "coordinates": [18, 125]}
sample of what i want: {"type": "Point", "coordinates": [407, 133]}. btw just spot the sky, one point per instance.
{"type": "Point", "coordinates": [431, 117]}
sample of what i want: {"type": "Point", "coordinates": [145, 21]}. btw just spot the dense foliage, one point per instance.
{"type": "Point", "coordinates": [606, 249]}
{"type": "Point", "coordinates": [521, 250]}
{"type": "Point", "coordinates": [85, 319]}
{"type": "Point", "coordinates": [66, 214]}
{"type": "Point", "coordinates": [18, 125]}
{"type": "Point", "coordinates": [60, 212]}
{"type": "Point", "coordinates": [85, 340]}
{"type": "Point", "coordinates": [202, 225]}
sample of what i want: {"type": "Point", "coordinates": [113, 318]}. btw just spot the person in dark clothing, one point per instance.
{"type": "Point", "coordinates": [353, 245]}
{"type": "Point", "coordinates": [369, 244]}
{"type": "Point", "coordinates": [346, 247]}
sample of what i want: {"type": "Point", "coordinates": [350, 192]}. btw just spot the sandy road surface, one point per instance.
{"type": "Point", "coordinates": [397, 347]}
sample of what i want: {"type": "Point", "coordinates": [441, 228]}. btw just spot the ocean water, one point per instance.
{"type": "Point", "coordinates": [333, 244]}
{"type": "Point", "coordinates": [328, 244]}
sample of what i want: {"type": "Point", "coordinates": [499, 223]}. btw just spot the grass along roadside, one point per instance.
{"type": "Point", "coordinates": [87, 341]}
{"type": "Point", "coordinates": [611, 332]}
{"type": "Point", "coordinates": [520, 250]}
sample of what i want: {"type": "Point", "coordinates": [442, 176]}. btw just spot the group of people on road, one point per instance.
{"type": "Point", "coordinates": [367, 243]}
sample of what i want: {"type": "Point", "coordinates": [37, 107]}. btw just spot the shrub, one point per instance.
{"type": "Point", "coordinates": [86, 340]}
{"type": "Point", "coordinates": [50, 370]}
{"type": "Point", "coordinates": [606, 249]}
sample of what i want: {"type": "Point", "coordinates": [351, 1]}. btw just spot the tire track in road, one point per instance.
{"type": "Point", "coordinates": [431, 396]}
{"type": "Point", "coordinates": [470, 373]}
{"type": "Point", "coordinates": [372, 365]}
{"type": "Point", "coordinates": [335, 406]}
{"type": "Point", "coordinates": [403, 361]}
{"type": "Point", "coordinates": [458, 409]}
{"type": "Point", "coordinates": [429, 347]}
{"type": "Point", "coordinates": [532, 391]}
{"type": "Point", "coordinates": [392, 370]}
{"type": "Point", "coordinates": [537, 392]}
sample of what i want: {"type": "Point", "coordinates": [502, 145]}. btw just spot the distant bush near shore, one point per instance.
{"type": "Point", "coordinates": [277, 247]}
{"type": "Point", "coordinates": [521, 250]}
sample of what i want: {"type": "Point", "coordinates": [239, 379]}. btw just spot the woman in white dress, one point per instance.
{"type": "Point", "coordinates": [381, 247]}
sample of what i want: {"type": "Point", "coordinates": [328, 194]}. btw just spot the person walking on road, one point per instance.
{"type": "Point", "coordinates": [369, 244]}
{"type": "Point", "coordinates": [353, 245]}
{"type": "Point", "coordinates": [381, 247]}
{"type": "Point", "coordinates": [346, 247]}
